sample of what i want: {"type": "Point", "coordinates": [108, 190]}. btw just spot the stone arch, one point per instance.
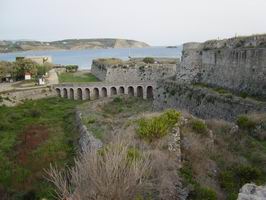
{"type": "Point", "coordinates": [79, 94]}
{"type": "Point", "coordinates": [113, 91]}
{"type": "Point", "coordinates": [64, 93]}
{"type": "Point", "coordinates": [104, 92]}
{"type": "Point", "coordinates": [95, 93]}
{"type": "Point", "coordinates": [121, 90]}
{"type": "Point", "coordinates": [149, 92]}
{"type": "Point", "coordinates": [140, 91]}
{"type": "Point", "coordinates": [87, 94]}
{"type": "Point", "coordinates": [71, 93]}
{"type": "Point", "coordinates": [58, 92]}
{"type": "Point", "coordinates": [130, 90]}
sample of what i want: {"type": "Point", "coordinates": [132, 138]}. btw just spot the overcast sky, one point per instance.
{"type": "Point", "coordinates": [157, 22]}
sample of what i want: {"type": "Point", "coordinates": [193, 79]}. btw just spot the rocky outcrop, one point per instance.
{"type": "Point", "coordinates": [251, 191]}
{"type": "Point", "coordinates": [86, 141]}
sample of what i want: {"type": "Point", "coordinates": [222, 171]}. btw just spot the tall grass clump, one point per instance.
{"type": "Point", "coordinates": [199, 126]}
{"type": "Point", "coordinates": [116, 172]}
{"type": "Point", "coordinates": [244, 122]}
{"type": "Point", "coordinates": [157, 127]}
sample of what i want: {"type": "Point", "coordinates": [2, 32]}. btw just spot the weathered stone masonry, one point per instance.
{"type": "Point", "coordinates": [203, 102]}
{"type": "Point", "coordinates": [237, 65]}
{"type": "Point", "coordinates": [132, 71]}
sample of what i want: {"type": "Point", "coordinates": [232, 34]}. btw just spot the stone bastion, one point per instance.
{"type": "Point", "coordinates": [133, 70]}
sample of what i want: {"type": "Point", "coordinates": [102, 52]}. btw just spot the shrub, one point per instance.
{"type": "Point", "coordinates": [157, 127]}
{"type": "Point", "coordinates": [199, 126]}
{"type": "Point", "coordinates": [232, 179]}
{"type": "Point", "coordinates": [243, 95]}
{"type": "Point", "coordinates": [107, 174]}
{"type": "Point", "coordinates": [91, 120]}
{"type": "Point", "coordinates": [118, 100]}
{"type": "Point", "coordinates": [149, 60]}
{"type": "Point", "coordinates": [205, 193]}
{"type": "Point", "coordinates": [245, 123]}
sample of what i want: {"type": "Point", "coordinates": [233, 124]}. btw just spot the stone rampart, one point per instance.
{"type": "Point", "coordinates": [203, 102]}
{"type": "Point", "coordinates": [86, 140]}
{"type": "Point", "coordinates": [237, 64]}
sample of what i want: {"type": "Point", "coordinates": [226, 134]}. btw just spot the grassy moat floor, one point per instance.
{"type": "Point", "coordinates": [216, 162]}
{"type": "Point", "coordinates": [77, 77]}
{"type": "Point", "coordinates": [32, 136]}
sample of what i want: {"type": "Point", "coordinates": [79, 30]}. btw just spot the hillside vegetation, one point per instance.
{"type": "Point", "coordinates": [10, 46]}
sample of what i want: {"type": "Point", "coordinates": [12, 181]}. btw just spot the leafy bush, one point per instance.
{"type": "Point", "coordinates": [199, 126]}
{"type": "Point", "coordinates": [149, 60]}
{"type": "Point", "coordinates": [245, 123]}
{"type": "Point", "coordinates": [232, 179]}
{"type": "Point", "coordinates": [157, 127]}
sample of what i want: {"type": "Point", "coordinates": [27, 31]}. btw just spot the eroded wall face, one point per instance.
{"type": "Point", "coordinates": [139, 73]}
{"type": "Point", "coordinates": [203, 102]}
{"type": "Point", "coordinates": [240, 70]}
{"type": "Point", "coordinates": [228, 64]}
{"type": "Point", "coordinates": [99, 71]}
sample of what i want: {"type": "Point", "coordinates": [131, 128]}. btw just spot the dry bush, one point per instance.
{"type": "Point", "coordinates": [164, 174]}
{"type": "Point", "coordinates": [108, 173]}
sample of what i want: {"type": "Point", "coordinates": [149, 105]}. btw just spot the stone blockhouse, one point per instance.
{"type": "Point", "coordinates": [133, 70]}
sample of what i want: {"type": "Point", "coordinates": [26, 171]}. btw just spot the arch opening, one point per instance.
{"type": "Point", "coordinates": [139, 91]}
{"type": "Point", "coordinates": [87, 94]}
{"type": "Point", "coordinates": [71, 93]}
{"type": "Point", "coordinates": [65, 93]}
{"type": "Point", "coordinates": [95, 93]}
{"type": "Point", "coordinates": [79, 94]}
{"type": "Point", "coordinates": [149, 92]}
{"type": "Point", "coordinates": [121, 90]}
{"type": "Point", "coordinates": [58, 92]}
{"type": "Point", "coordinates": [130, 91]}
{"type": "Point", "coordinates": [113, 91]}
{"type": "Point", "coordinates": [104, 92]}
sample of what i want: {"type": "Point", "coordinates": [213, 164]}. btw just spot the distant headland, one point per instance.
{"type": "Point", "coordinates": [69, 44]}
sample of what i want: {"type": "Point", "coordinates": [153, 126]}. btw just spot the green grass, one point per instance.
{"type": "Point", "coordinates": [128, 106]}
{"type": "Point", "coordinates": [157, 127]}
{"type": "Point", "coordinates": [199, 126]}
{"type": "Point", "coordinates": [22, 176]}
{"type": "Point", "coordinates": [77, 77]}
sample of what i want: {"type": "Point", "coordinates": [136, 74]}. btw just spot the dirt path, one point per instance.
{"type": "Point", "coordinates": [52, 78]}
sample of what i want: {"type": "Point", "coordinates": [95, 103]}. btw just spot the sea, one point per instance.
{"type": "Point", "coordinates": [83, 58]}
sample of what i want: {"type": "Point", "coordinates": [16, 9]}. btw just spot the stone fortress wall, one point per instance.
{"type": "Point", "coordinates": [236, 65]}
{"type": "Point", "coordinates": [133, 70]}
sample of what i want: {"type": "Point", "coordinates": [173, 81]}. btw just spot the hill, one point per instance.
{"type": "Point", "coordinates": [24, 45]}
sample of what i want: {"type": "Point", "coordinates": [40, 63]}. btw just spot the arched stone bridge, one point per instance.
{"type": "Point", "coordinates": [91, 91]}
